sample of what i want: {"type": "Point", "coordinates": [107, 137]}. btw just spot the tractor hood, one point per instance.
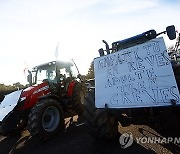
{"type": "Point", "coordinates": [30, 95]}
{"type": "Point", "coordinates": [9, 102]}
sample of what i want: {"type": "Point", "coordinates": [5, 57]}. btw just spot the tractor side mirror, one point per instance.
{"type": "Point", "coordinates": [171, 32]}
{"type": "Point", "coordinates": [29, 77]}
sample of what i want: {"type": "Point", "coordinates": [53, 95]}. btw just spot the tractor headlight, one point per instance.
{"type": "Point", "coordinates": [22, 99]}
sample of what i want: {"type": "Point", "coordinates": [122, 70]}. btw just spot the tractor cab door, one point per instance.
{"type": "Point", "coordinates": [66, 73]}
{"type": "Point", "coordinates": [63, 79]}
{"type": "Point", "coordinates": [62, 74]}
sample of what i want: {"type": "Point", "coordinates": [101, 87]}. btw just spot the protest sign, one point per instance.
{"type": "Point", "coordinates": [139, 76]}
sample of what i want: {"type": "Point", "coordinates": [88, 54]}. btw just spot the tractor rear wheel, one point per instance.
{"type": "Point", "coordinates": [46, 119]}
{"type": "Point", "coordinates": [78, 98]}
{"type": "Point", "coordinates": [99, 123]}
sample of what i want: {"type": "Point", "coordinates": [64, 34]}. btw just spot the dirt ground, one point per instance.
{"type": "Point", "coordinates": [77, 140]}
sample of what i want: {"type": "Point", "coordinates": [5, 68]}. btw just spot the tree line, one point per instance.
{"type": "Point", "coordinates": [6, 89]}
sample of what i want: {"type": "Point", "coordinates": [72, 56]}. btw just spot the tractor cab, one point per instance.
{"type": "Point", "coordinates": [58, 74]}
{"type": "Point", "coordinates": [53, 72]}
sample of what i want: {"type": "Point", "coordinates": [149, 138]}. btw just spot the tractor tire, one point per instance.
{"type": "Point", "coordinates": [78, 99]}
{"type": "Point", "coordinates": [99, 123]}
{"type": "Point", "coordinates": [46, 119]}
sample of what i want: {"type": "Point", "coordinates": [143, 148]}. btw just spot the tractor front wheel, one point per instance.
{"type": "Point", "coordinates": [46, 119]}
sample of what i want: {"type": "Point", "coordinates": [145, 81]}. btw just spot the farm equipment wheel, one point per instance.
{"type": "Point", "coordinates": [46, 119]}
{"type": "Point", "coordinates": [78, 98]}
{"type": "Point", "coordinates": [99, 123]}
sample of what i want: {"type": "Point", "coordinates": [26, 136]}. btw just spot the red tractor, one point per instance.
{"type": "Point", "coordinates": [55, 92]}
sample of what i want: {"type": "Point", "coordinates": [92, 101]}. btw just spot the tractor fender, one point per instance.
{"type": "Point", "coordinates": [50, 96]}
{"type": "Point", "coordinates": [70, 88]}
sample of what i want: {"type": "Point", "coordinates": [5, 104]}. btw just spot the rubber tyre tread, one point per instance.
{"type": "Point", "coordinates": [98, 122]}
{"type": "Point", "coordinates": [35, 119]}
{"type": "Point", "coordinates": [76, 98]}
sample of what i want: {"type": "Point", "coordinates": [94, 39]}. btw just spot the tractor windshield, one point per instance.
{"type": "Point", "coordinates": [46, 75]}
{"type": "Point", "coordinates": [55, 72]}
{"type": "Point", "coordinates": [45, 72]}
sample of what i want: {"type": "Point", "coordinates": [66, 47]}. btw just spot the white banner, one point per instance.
{"type": "Point", "coordinates": [140, 76]}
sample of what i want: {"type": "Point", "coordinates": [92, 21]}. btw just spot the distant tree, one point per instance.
{"type": "Point", "coordinates": [6, 89]}
{"type": "Point", "coordinates": [177, 45]}
{"type": "Point", "coordinates": [2, 87]}
{"type": "Point", "coordinates": [18, 85]}
{"type": "Point", "coordinates": [175, 49]}
{"type": "Point", "coordinates": [90, 74]}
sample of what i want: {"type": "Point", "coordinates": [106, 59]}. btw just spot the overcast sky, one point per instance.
{"type": "Point", "coordinates": [31, 29]}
